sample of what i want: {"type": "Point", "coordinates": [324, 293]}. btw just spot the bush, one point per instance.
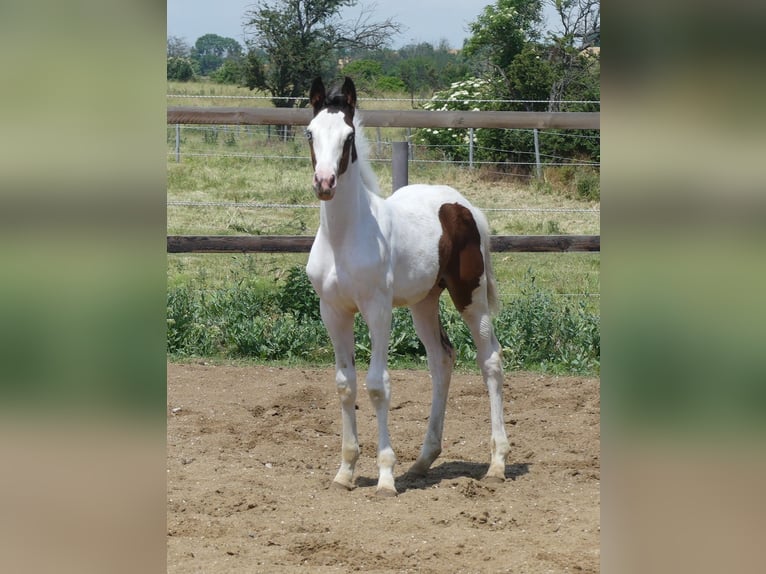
{"type": "Point", "coordinates": [502, 145]}
{"type": "Point", "coordinates": [452, 143]}
{"type": "Point", "coordinates": [230, 72]}
{"type": "Point", "coordinates": [180, 69]}
{"type": "Point", "coordinates": [577, 181]}
{"type": "Point", "coordinates": [536, 330]}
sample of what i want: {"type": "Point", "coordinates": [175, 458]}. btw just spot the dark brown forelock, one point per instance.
{"type": "Point", "coordinates": [336, 102]}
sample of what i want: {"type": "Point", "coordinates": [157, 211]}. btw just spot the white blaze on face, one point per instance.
{"type": "Point", "coordinates": [329, 134]}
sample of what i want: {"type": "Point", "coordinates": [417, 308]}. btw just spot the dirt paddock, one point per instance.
{"type": "Point", "coordinates": [251, 453]}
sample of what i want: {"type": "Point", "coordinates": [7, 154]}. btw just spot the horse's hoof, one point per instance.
{"type": "Point", "coordinates": [386, 493]}
{"type": "Point", "coordinates": [341, 486]}
{"type": "Point", "coordinates": [413, 472]}
{"type": "Point", "coordinates": [493, 479]}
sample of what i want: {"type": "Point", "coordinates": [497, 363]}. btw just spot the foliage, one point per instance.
{"type": "Point", "coordinates": [210, 51]}
{"type": "Point", "coordinates": [302, 39]}
{"type": "Point", "coordinates": [180, 69]}
{"type": "Point", "coordinates": [452, 143]}
{"type": "Point", "coordinates": [388, 84]}
{"type": "Point", "coordinates": [517, 65]}
{"type": "Point", "coordinates": [369, 77]}
{"type": "Point", "coordinates": [536, 330]}
{"type": "Point", "coordinates": [417, 74]}
{"type": "Point", "coordinates": [230, 72]}
{"type": "Point", "coordinates": [177, 47]}
{"type": "Point", "coordinates": [297, 296]}
{"type": "Point", "coordinates": [501, 31]}
{"type": "Point", "coordinates": [414, 68]}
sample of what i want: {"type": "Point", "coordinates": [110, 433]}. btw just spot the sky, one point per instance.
{"type": "Point", "coordinates": [423, 20]}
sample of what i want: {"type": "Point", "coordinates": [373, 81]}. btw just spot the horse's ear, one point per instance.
{"type": "Point", "coordinates": [317, 94]}
{"type": "Point", "coordinates": [349, 92]}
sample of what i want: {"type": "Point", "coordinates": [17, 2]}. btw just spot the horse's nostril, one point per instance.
{"type": "Point", "coordinates": [332, 181]}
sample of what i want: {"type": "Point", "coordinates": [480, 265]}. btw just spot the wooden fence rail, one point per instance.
{"type": "Point", "coordinates": [380, 118]}
{"type": "Point", "coordinates": [389, 118]}
{"type": "Point", "coordinates": [302, 243]}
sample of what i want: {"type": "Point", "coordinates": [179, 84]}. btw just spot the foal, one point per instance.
{"type": "Point", "coordinates": [371, 254]}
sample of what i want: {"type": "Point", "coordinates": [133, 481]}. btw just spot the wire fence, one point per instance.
{"type": "Point", "coordinates": [259, 205]}
{"type": "Point", "coordinates": [247, 142]}
{"type": "Point", "coordinates": [277, 144]}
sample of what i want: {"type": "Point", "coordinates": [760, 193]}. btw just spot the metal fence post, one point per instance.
{"type": "Point", "coordinates": [537, 154]}
{"type": "Point", "coordinates": [399, 164]}
{"type": "Point", "coordinates": [470, 147]}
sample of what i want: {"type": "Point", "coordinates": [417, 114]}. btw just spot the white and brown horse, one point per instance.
{"type": "Point", "coordinates": [372, 254]}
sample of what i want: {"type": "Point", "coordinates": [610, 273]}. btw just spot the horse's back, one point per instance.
{"type": "Point", "coordinates": [423, 196]}
{"type": "Point", "coordinates": [420, 205]}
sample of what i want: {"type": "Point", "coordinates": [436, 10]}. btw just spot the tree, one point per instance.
{"type": "Point", "coordinates": [211, 50]}
{"type": "Point", "coordinates": [580, 21]}
{"type": "Point", "coordinates": [302, 39]}
{"type": "Point", "coordinates": [576, 68]}
{"type": "Point", "coordinates": [177, 47]}
{"type": "Point", "coordinates": [179, 66]}
{"type": "Point", "coordinates": [417, 73]}
{"type": "Point", "coordinates": [509, 53]}
{"type": "Point", "coordinates": [501, 31]}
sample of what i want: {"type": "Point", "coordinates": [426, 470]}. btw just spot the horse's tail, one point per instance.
{"type": "Point", "coordinates": [493, 300]}
{"type": "Point", "coordinates": [369, 179]}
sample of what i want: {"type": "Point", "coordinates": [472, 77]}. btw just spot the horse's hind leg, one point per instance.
{"type": "Point", "coordinates": [441, 357]}
{"type": "Point", "coordinates": [340, 326]}
{"type": "Point", "coordinates": [490, 361]}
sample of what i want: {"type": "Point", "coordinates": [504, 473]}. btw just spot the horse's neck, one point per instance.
{"type": "Point", "coordinates": [349, 211]}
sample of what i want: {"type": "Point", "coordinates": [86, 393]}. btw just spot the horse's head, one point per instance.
{"type": "Point", "coordinates": [331, 135]}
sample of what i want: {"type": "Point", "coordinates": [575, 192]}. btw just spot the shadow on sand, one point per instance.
{"type": "Point", "coordinates": [443, 472]}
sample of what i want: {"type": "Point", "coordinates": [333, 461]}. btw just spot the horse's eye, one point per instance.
{"type": "Point", "coordinates": [350, 137]}
{"type": "Point", "coordinates": [308, 135]}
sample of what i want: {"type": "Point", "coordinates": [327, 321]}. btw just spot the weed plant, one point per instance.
{"type": "Point", "coordinates": [536, 330]}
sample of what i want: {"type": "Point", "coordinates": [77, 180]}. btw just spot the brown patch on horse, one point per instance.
{"type": "Point", "coordinates": [313, 155]}
{"type": "Point", "coordinates": [461, 263]}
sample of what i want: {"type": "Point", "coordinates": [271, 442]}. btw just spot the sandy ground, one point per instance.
{"type": "Point", "coordinates": [251, 453]}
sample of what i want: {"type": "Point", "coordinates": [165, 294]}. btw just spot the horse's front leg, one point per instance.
{"type": "Point", "coordinates": [377, 315]}
{"type": "Point", "coordinates": [340, 326]}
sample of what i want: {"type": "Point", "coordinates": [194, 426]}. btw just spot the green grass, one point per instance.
{"type": "Point", "coordinates": [209, 295]}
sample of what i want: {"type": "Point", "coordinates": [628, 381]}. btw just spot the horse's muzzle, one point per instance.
{"type": "Point", "coordinates": [324, 187]}
{"type": "Point", "coordinates": [324, 194]}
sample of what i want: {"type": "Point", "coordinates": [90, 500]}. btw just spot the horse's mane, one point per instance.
{"type": "Point", "coordinates": [369, 179]}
